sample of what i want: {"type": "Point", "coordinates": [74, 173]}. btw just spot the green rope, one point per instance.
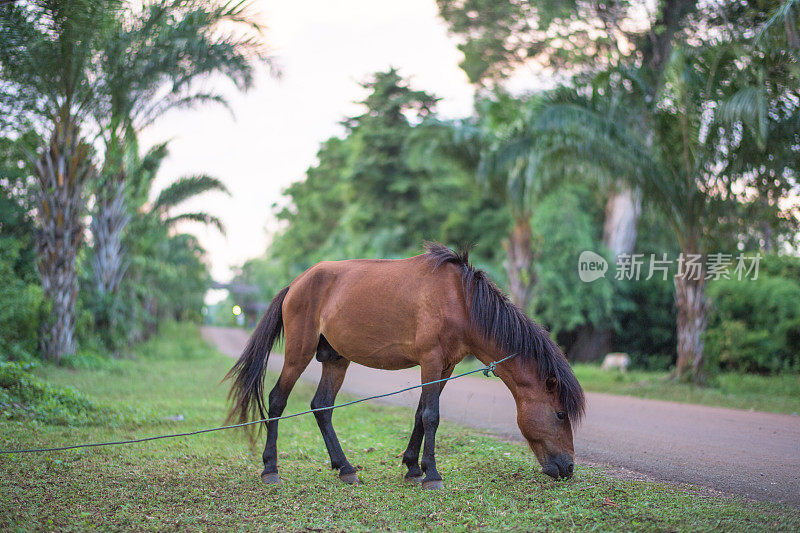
{"type": "Point", "coordinates": [486, 370]}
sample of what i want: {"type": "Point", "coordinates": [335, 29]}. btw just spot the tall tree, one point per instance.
{"type": "Point", "coordinates": [511, 165]}
{"type": "Point", "coordinates": [700, 166]}
{"type": "Point", "coordinates": [167, 277]}
{"type": "Point", "coordinates": [382, 189]}
{"type": "Point", "coordinates": [499, 147]}
{"type": "Point", "coordinates": [47, 70]}
{"type": "Point", "coordinates": [572, 37]}
{"type": "Point", "coordinates": [389, 190]}
{"type": "Point", "coordinates": [150, 62]}
{"type": "Point", "coordinates": [364, 198]}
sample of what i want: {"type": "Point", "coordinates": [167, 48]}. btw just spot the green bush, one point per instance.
{"type": "Point", "coordinates": [647, 332]}
{"type": "Point", "coordinates": [21, 299]}
{"type": "Point", "coordinates": [25, 396]}
{"type": "Point", "coordinates": [754, 325]}
{"type": "Point", "coordinates": [21, 308]}
{"type": "Point", "coordinates": [562, 301]}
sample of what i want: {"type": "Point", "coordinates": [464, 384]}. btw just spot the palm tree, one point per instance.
{"type": "Point", "coordinates": [782, 31]}
{"type": "Point", "coordinates": [74, 68]}
{"type": "Point", "coordinates": [623, 202]}
{"type": "Point", "coordinates": [511, 165]}
{"type": "Point", "coordinates": [692, 165]}
{"type": "Point", "coordinates": [157, 280]}
{"type": "Point", "coordinates": [149, 64]}
{"type": "Point", "coordinates": [142, 173]}
{"type": "Point", "coordinates": [47, 54]}
{"type": "Point", "coordinates": [500, 148]}
{"type": "Point", "coordinates": [482, 148]}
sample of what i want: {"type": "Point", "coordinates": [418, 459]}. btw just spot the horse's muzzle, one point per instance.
{"type": "Point", "coordinates": [559, 466]}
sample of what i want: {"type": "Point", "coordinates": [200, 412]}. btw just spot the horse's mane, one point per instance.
{"type": "Point", "coordinates": [500, 321]}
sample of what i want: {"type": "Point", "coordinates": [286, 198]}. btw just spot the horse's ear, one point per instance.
{"type": "Point", "coordinates": [551, 383]}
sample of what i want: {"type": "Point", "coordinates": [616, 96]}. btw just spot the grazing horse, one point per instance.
{"type": "Point", "coordinates": [429, 310]}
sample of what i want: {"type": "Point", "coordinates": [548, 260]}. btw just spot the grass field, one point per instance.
{"type": "Point", "coordinates": [776, 394]}
{"type": "Point", "coordinates": [211, 481]}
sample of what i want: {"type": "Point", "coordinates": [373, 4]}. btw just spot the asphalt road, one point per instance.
{"type": "Point", "coordinates": [753, 454]}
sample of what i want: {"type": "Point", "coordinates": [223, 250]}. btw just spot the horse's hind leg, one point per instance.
{"type": "Point", "coordinates": [299, 351]}
{"type": "Point", "coordinates": [333, 371]}
{"type": "Point", "coordinates": [411, 455]}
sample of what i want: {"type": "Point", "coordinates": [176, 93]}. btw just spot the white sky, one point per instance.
{"type": "Point", "coordinates": [325, 49]}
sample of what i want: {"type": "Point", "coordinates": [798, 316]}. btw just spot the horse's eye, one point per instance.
{"type": "Point", "coordinates": [561, 415]}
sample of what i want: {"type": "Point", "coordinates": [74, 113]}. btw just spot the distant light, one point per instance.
{"type": "Point", "coordinates": [237, 310]}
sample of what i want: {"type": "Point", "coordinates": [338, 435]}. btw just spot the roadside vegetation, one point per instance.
{"type": "Point", "coordinates": [24, 396]}
{"type": "Point", "coordinates": [678, 148]}
{"type": "Point", "coordinates": [92, 262]}
{"type": "Point", "coordinates": [211, 481]}
{"type": "Point", "coordinates": [92, 256]}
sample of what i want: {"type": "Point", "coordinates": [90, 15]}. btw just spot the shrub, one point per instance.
{"type": "Point", "coordinates": [562, 301]}
{"type": "Point", "coordinates": [647, 332]}
{"type": "Point", "coordinates": [754, 325]}
{"type": "Point", "coordinates": [23, 396]}
{"type": "Point", "coordinates": [21, 309]}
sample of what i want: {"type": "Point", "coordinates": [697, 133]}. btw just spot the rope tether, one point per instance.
{"type": "Point", "coordinates": [486, 369]}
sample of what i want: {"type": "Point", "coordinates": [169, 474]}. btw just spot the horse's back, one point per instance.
{"type": "Point", "coordinates": [379, 312]}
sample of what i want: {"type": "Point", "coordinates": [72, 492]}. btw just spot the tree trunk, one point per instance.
{"type": "Point", "coordinates": [591, 344]}
{"type": "Point", "coordinates": [623, 208]}
{"type": "Point", "coordinates": [61, 173]}
{"type": "Point", "coordinates": [690, 298]}
{"type": "Point", "coordinates": [519, 263]}
{"type": "Point", "coordinates": [108, 223]}
{"type": "Point", "coordinates": [108, 260]}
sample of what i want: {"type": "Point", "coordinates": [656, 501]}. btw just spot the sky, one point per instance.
{"type": "Point", "coordinates": [325, 49]}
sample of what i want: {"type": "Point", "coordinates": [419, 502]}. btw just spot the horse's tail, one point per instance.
{"type": "Point", "coordinates": [247, 391]}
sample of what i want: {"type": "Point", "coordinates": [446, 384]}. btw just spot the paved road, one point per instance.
{"type": "Point", "coordinates": [749, 453]}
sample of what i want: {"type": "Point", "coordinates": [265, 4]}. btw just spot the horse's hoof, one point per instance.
{"type": "Point", "coordinates": [413, 479]}
{"type": "Point", "coordinates": [350, 479]}
{"type": "Point", "coordinates": [436, 484]}
{"type": "Point", "coordinates": [271, 478]}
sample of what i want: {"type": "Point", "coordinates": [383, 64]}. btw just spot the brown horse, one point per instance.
{"type": "Point", "coordinates": [430, 310]}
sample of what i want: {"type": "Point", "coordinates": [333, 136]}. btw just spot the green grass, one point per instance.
{"type": "Point", "coordinates": [776, 394]}
{"type": "Point", "coordinates": [211, 481]}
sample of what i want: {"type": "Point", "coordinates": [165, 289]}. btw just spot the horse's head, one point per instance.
{"type": "Point", "coordinates": [549, 398]}
{"type": "Point", "coordinates": [545, 423]}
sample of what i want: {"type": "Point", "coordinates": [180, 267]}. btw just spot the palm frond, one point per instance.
{"type": "Point", "coordinates": [185, 188]}
{"type": "Point", "coordinates": [152, 111]}
{"type": "Point", "coordinates": [141, 171]}
{"type": "Point", "coordinates": [749, 105]}
{"type": "Point", "coordinates": [203, 218]}
{"type": "Point", "coordinates": [156, 55]}
{"type": "Point", "coordinates": [784, 22]}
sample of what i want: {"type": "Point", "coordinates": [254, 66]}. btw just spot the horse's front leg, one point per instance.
{"type": "Point", "coordinates": [411, 455]}
{"type": "Point", "coordinates": [431, 371]}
